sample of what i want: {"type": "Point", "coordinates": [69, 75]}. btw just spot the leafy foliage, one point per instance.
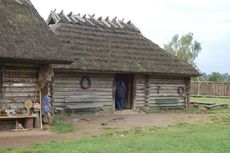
{"type": "Point", "coordinates": [185, 47]}
{"type": "Point", "coordinates": [217, 77]}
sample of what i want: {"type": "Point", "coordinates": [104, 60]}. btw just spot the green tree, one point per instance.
{"type": "Point", "coordinates": [184, 47]}
{"type": "Point", "coordinates": [215, 76]}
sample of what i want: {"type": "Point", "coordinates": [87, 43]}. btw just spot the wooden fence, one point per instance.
{"type": "Point", "coordinates": [210, 89]}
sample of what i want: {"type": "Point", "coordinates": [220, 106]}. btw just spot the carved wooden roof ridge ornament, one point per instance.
{"type": "Point", "coordinates": [92, 20]}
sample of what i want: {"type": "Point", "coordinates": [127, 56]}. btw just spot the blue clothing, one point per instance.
{"type": "Point", "coordinates": [120, 103]}
{"type": "Point", "coordinates": [45, 105]}
{"type": "Point", "coordinates": [120, 92]}
{"type": "Point", "coordinates": [120, 95]}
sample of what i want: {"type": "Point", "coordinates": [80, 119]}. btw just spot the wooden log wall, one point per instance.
{"type": "Point", "coordinates": [19, 84]}
{"type": "Point", "coordinates": [148, 89]}
{"type": "Point", "coordinates": [166, 87]}
{"type": "Point", "coordinates": [140, 98]}
{"type": "Point", "coordinates": [68, 84]}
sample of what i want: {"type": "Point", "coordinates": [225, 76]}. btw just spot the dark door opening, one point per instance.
{"type": "Point", "coordinates": [128, 82]}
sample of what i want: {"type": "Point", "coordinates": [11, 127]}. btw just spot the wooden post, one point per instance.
{"type": "Point", "coordinates": [114, 92]}
{"type": "Point", "coordinates": [134, 91]}
{"type": "Point", "coordinates": [187, 91]}
{"type": "Point", "coordinates": [198, 88]}
{"type": "Point", "coordinates": [40, 100]}
{"type": "Point", "coordinates": [147, 90]}
{"type": "Point", "coordinates": [52, 95]}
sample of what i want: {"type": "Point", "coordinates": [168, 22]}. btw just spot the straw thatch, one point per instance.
{"type": "Point", "coordinates": [25, 36]}
{"type": "Point", "coordinates": [113, 46]}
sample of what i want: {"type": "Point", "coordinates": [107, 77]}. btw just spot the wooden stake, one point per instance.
{"type": "Point", "coordinates": [40, 100]}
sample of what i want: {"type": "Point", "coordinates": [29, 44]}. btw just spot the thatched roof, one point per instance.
{"type": "Point", "coordinates": [113, 46]}
{"type": "Point", "coordinates": [25, 36]}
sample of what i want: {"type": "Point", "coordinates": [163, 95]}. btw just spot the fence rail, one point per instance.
{"type": "Point", "coordinates": [210, 89]}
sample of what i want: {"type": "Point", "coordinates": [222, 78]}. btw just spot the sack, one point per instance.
{"type": "Point", "coordinates": [36, 106]}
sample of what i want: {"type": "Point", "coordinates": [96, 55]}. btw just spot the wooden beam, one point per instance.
{"type": "Point", "coordinates": [147, 90]}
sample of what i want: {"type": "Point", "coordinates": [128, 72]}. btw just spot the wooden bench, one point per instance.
{"type": "Point", "coordinates": [28, 120]}
{"type": "Point", "coordinates": [168, 102]}
{"type": "Point", "coordinates": [201, 103]}
{"type": "Point", "coordinates": [216, 105]}
{"type": "Point", "coordinates": [83, 102]}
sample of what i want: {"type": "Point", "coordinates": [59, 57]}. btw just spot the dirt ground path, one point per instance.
{"type": "Point", "coordinates": [94, 124]}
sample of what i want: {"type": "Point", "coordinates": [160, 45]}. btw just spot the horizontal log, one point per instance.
{"type": "Point", "coordinates": [166, 105]}
{"type": "Point", "coordinates": [18, 70]}
{"type": "Point", "coordinates": [59, 104]}
{"type": "Point", "coordinates": [140, 88]}
{"type": "Point", "coordinates": [167, 85]}
{"type": "Point", "coordinates": [140, 99]}
{"type": "Point", "coordinates": [18, 76]}
{"type": "Point", "coordinates": [166, 77]}
{"type": "Point", "coordinates": [19, 90]}
{"type": "Point", "coordinates": [59, 100]}
{"type": "Point", "coordinates": [140, 94]}
{"type": "Point", "coordinates": [164, 92]}
{"type": "Point", "coordinates": [139, 105]}
{"type": "Point", "coordinates": [85, 99]}
{"type": "Point", "coordinates": [140, 82]}
{"type": "Point", "coordinates": [166, 95]}
{"type": "Point", "coordinates": [97, 100]}
{"type": "Point", "coordinates": [140, 102]}
{"type": "Point", "coordinates": [99, 95]}
{"type": "Point", "coordinates": [64, 89]}
{"type": "Point", "coordinates": [151, 101]}
{"type": "Point", "coordinates": [77, 80]}
{"type": "Point", "coordinates": [166, 82]}
{"type": "Point", "coordinates": [23, 84]}
{"type": "Point", "coordinates": [93, 83]}
{"type": "Point", "coordinates": [63, 104]}
{"type": "Point", "coordinates": [77, 93]}
{"type": "Point", "coordinates": [19, 94]}
{"type": "Point", "coordinates": [140, 91]}
{"type": "Point", "coordinates": [74, 75]}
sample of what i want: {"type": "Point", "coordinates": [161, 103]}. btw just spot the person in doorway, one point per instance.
{"type": "Point", "coordinates": [46, 109]}
{"type": "Point", "coordinates": [120, 94]}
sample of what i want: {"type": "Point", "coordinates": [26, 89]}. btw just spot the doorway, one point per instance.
{"type": "Point", "coordinates": [128, 82]}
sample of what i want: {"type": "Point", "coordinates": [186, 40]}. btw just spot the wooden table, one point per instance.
{"type": "Point", "coordinates": [27, 118]}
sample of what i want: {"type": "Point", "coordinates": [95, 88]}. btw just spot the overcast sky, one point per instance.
{"type": "Point", "coordinates": [159, 20]}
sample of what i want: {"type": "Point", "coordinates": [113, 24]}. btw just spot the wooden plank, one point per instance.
{"type": "Point", "coordinates": [78, 80]}
{"type": "Point", "coordinates": [98, 94]}
{"type": "Point", "coordinates": [23, 84]}
{"type": "Point", "coordinates": [78, 89]}
{"type": "Point", "coordinates": [216, 105]}
{"type": "Point", "coordinates": [165, 95]}
{"type": "Point", "coordinates": [20, 90]}
{"type": "Point", "coordinates": [167, 105]}
{"type": "Point", "coordinates": [80, 74]}
{"type": "Point", "coordinates": [74, 93]}
{"type": "Point", "coordinates": [202, 103]}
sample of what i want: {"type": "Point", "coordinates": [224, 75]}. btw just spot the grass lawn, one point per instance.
{"type": "Point", "coordinates": [212, 100]}
{"type": "Point", "coordinates": [179, 138]}
{"type": "Point", "coordinates": [215, 100]}
{"type": "Point", "coordinates": [61, 127]}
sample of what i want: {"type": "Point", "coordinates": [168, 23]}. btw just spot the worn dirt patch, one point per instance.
{"type": "Point", "coordinates": [94, 124]}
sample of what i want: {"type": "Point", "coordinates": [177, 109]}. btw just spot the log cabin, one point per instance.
{"type": "Point", "coordinates": [27, 46]}
{"type": "Point", "coordinates": [105, 50]}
